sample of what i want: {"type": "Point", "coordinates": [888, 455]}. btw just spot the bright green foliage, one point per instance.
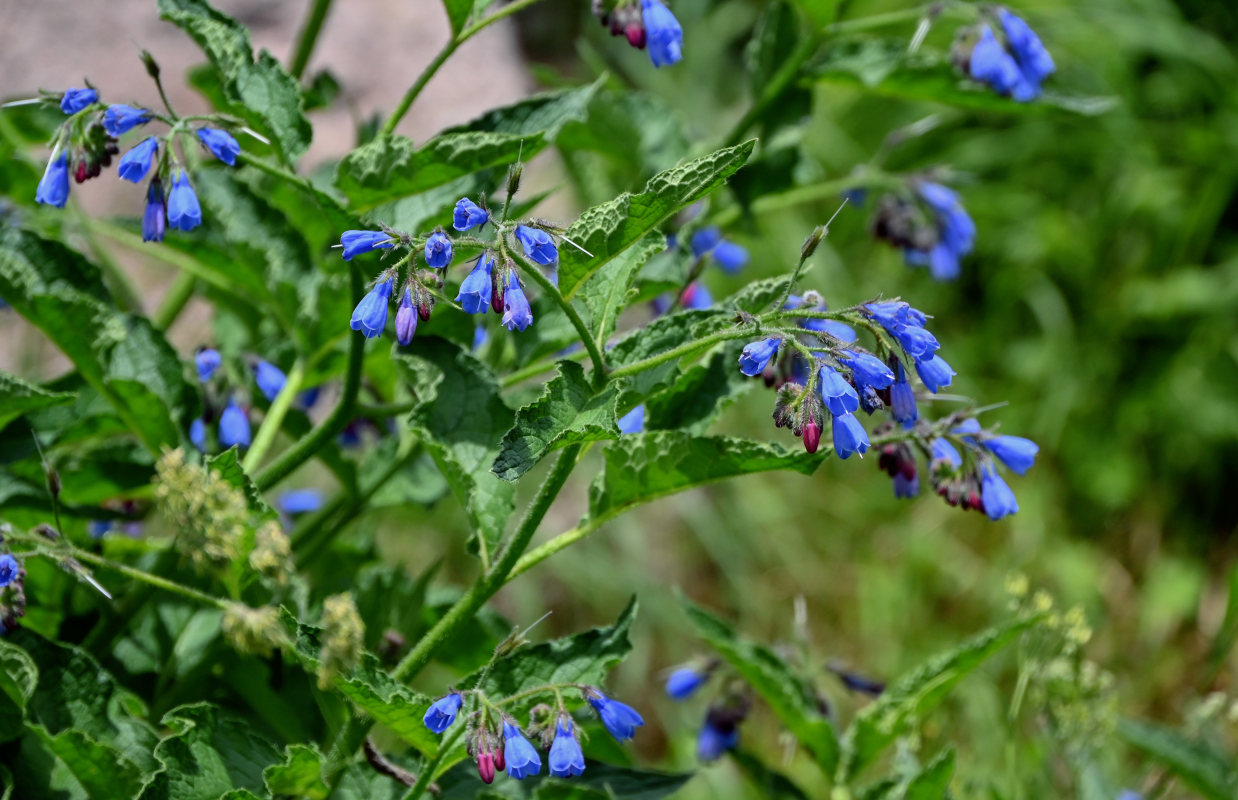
{"type": "Point", "coordinates": [1199, 764]}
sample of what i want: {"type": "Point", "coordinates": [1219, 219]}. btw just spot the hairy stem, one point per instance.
{"type": "Point", "coordinates": [275, 417]}
{"type": "Point", "coordinates": [685, 349]}
{"type": "Point", "coordinates": [146, 577]}
{"type": "Point", "coordinates": [308, 37]}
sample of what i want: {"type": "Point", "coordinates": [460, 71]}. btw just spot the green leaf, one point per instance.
{"type": "Point", "coordinates": [884, 67]}
{"type": "Point", "coordinates": [598, 782]}
{"type": "Point", "coordinates": [821, 12]}
{"type": "Point", "coordinates": [605, 294]}
{"type": "Point", "coordinates": [228, 466]}
{"type": "Point", "coordinates": [608, 229]}
{"type": "Point", "coordinates": [645, 466]}
{"type": "Point", "coordinates": [102, 770]}
{"type": "Point", "coordinates": [910, 697]}
{"type": "Point", "coordinates": [458, 13]}
{"type": "Point", "coordinates": [700, 393]}
{"type": "Point", "coordinates": [461, 419]}
{"type": "Point", "coordinates": [300, 774]}
{"type": "Point", "coordinates": [663, 334]}
{"type": "Point", "coordinates": [124, 358]}
{"type": "Point", "coordinates": [18, 677]}
{"type": "Point", "coordinates": [791, 698]}
{"type": "Point", "coordinates": [259, 89]}
{"type": "Point", "coordinates": [769, 782]}
{"type": "Point", "coordinates": [18, 396]}
{"type": "Point", "coordinates": [570, 412]}
{"type": "Point", "coordinates": [543, 114]}
{"type": "Point", "coordinates": [932, 782]}
{"type": "Point", "coordinates": [1198, 764]}
{"type": "Point", "coordinates": [209, 753]}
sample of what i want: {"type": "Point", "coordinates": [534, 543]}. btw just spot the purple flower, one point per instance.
{"type": "Point", "coordinates": [357, 242]}
{"type": "Point", "coordinates": [74, 100]}
{"type": "Point", "coordinates": [704, 241]}
{"type": "Point", "coordinates": [406, 319]}
{"type": "Point", "coordinates": [566, 759]}
{"type": "Point", "coordinates": [184, 213]}
{"type": "Point", "coordinates": [663, 34]}
{"type": "Point", "coordinates": [120, 119]}
{"type": "Point", "coordinates": [442, 712]}
{"type": "Point", "coordinates": [730, 256]}
{"type": "Point", "coordinates": [475, 289]}
{"type": "Point", "coordinates": [696, 296]}
{"type": "Point", "coordinates": [54, 185]}
{"type": "Point", "coordinates": [840, 397]}
{"type": "Point", "coordinates": [756, 356]}
{"type": "Point", "coordinates": [370, 315]}
{"type": "Point", "coordinates": [155, 218]}
{"type": "Point", "coordinates": [1015, 452]}
{"type": "Point", "coordinates": [517, 315]}
{"type": "Point", "coordinates": [520, 757]}
{"type": "Point", "coordinates": [221, 144]}
{"type": "Point", "coordinates": [438, 250]}
{"type": "Point", "coordinates": [944, 451]}
{"type": "Point", "coordinates": [849, 436]}
{"type": "Point", "coordinates": [468, 215]}
{"type": "Point", "coordinates": [620, 720]}
{"type": "Point", "coordinates": [633, 421]}
{"type": "Point", "coordinates": [905, 488]}
{"type": "Point", "coordinates": [537, 244]}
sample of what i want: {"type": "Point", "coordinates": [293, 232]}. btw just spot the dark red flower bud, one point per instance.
{"type": "Point", "coordinates": [812, 436]}
{"type": "Point", "coordinates": [485, 767]}
{"type": "Point", "coordinates": [79, 172]}
{"type": "Point", "coordinates": [499, 762]}
{"type": "Point", "coordinates": [636, 35]}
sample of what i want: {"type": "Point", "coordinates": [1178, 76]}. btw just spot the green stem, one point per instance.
{"type": "Point", "coordinates": [552, 291]}
{"type": "Point", "coordinates": [275, 417]}
{"type": "Point", "coordinates": [685, 349]}
{"type": "Point", "coordinates": [147, 578]}
{"type": "Point", "coordinates": [426, 774]}
{"type": "Point", "coordinates": [538, 368]}
{"type": "Point", "coordinates": [297, 455]}
{"type": "Point", "coordinates": [384, 410]}
{"type": "Point", "coordinates": [175, 300]}
{"type": "Point", "coordinates": [308, 37]}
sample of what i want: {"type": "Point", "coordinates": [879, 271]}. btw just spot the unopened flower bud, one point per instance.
{"type": "Point", "coordinates": [152, 66]}
{"type": "Point", "coordinates": [513, 179]}
{"type": "Point", "coordinates": [812, 436]}
{"type": "Point", "coordinates": [810, 244]}
{"type": "Point", "coordinates": [636, 35]}
{"type": "Point", "coordinates": [485, 766]}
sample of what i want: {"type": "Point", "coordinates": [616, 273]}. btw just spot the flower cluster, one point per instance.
{"type": "Point", "coordinates": [492, 283]}
{"type": "Point", "coordinates": [1014, 66]}
{"type": "Point", "coordinates": [929, 224]}
{"type": "Point", "coordinates": [647, 25]}
{"type": "Point", "coordinates": [12, 592]}
{"type": "Point", "coordinates": [85, 143]}
{"type": "Point", "coordinates": [498, 743]}
{"type": "Point", "coordinates": [234, 427]}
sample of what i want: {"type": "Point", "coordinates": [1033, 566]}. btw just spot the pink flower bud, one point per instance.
{"type": "Point", "coordinates": [812, 436]}
{"type": "Point", "coordinates": [485, 767]}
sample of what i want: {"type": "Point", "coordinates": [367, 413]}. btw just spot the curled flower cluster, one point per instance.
{"type": "Point", "coordinates": [1015, 65]}
{"type": "Point", "coordinates": [492, 283]}
{"type": "Point", "coordinates": [498, 743]}
{"type": "Point", "coordinates": [648, 25]}
{"type": "Point", "coordinates": [929, 224]}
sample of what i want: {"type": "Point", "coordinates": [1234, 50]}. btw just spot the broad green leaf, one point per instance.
{"type": "Point", "coordinates": [605, 294]}
{"type": "Point", "coordinates": [209, 753]}
{"type": "Point", "coordinates": [542, 114]}
{"type": "Point", "coordinates": [258, 88]}
{"type": "Point", "coordinates": [124, 358]}
{"type": "Point", "coordinates": [101, 770]}
{"type": "Point", "coordinates": [389, 599]}
{"type": "Point", "coordinates": [570, 412]}
{"type": "Point", "coordinates": [18, 396]}
{"type": "Point", "coordinates": [663, 334]}
{"type": "Point", "coordinates": [700, 393]}
{"type": "Point", "coordinates": [18, 677]}
{"type": "Point", "coordinates": [777, 33]}
{"type": "Point", "coordinates": [598, 782]}
{"type": "Point", "coordinates": [932, 782]}
{"type": "Point", "coordinates": [361, 782]}
{"type": "Point", "coordinates": [299, 775]}
{"type": "Point", "coordinates": [461, 419]}
{"type": "Point", "coordinates": [769, 782]}
{"type": "Point", "coordinates": [645, 466]}
{"type": "Point", "coordinates": [910, 697]}
{"type": "Point", "coordinates": [792, 699]}
{"type": "Point", "coordinates": [884, 67]}
{"type": "Point", "coordinates": [608, 229]}
{"type": "Point", "coordinates": [1199, 765]}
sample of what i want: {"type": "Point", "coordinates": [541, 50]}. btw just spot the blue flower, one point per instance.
{"type": "Point", "coordinates": [221, 144]}
{"type": "Point", "coordinates": [1035, 63]}
{"type": "Point", "coordinates": [207, 360]}
{"type": "Point", "coordinates": [120, 119]}
{"type": "Point", "coordinates": [756, 356]}
{"type": "Point", "coordinates": [620, 720]}
{"type": "Point", "coordinates": [704, 241]}
{"type": "Point", "coordinates": [307, 399]}
{"type": "Point", "coordinates": [184, 213]}
{"type": "Point", "coordinates": [958, 232]}
{"type": "Point", "coordinates": [633, 421]}
{"type": "Point", "coordinates": [992, 65]}
{"type": "Point", "coordinates": [270, 379]}
{"type": "Point", "coordinates": [566, 759]}
{"type": "Point", "coordinates": [904, 488]}
{"type": "Point", "coordinates": [155, 218]}
{"type": "Point", "coordinates": [839, 330]}
{"type": "Point", "coordinates": [684, 682]}
{"type": "Point", "coordinates": [730, 256]}
{"type": "Point", "coordinates": [840, 397]}
{"type": "Point", "coordinates": [406, 319]}
{"type": "Point", "coordinates": [299, 501]}
{"type": "Point", "coordinates": [663, 34]}
{"type": "Point", "coordinates": [479, 337]}
{"type": "Point", "coordinates": [9, 569]}
{"type": "Point", "coordinates": [438, 250]}
{"type": "Point", "coordinates": [849, 436]}
{"type": "Point", "coordinates": [998, 499]}
{"type": "Point", "coordinates": [98, 528]}
{"type": "Point", "coordinates": [715, 739]}
{"type": "Point", "coordinates": [370, 315]}
{"type": "Point", "coordinates": [537, 244]}
{"type": "Point", "coordinates": [468, 215]}
{"type": "Point", "coordinates": [233, 426]}
{"type": "Point", "coordinates": [696, 296]}
{"type": "Point", "coordinates": [867, 369]}
{"type": "Point", "coordinates": [902, 398]}
{"type": "Point", "coordinates": [1015, 452]}
{"type": "Point", "coordinates": [474, 295]}
{"type": "Point", "coordinates": [935, 373]}
{"type": "Point", "coordinates": [197, 434]}
{"type": "Point", "coordinates": [944, 451]}
{"type": "Point", "coordinates": [516, 312]}
{"type": "Point", "coordinates": [74, 100]}
{"type": "Point", "coordinates": [357, 242]}
{"type": "Point", "coordinates": [54, 185]}
{"type": "Point", "coordinates": [520, 757]}
{"type": "Point", "coordinates": [442, 712]}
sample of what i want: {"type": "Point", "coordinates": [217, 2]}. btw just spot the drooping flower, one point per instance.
{"type": "Point", "coordinates": [935, 373]}
{"type": "Point", "coordinates": [709, 242]}
{"type": "Point", "coordinates": [120, 119]}
{"type": "Point", "coordinates": [620, 720]}
{"type": "Point", "coordinates": [538, 245]}
{"type": "Point", "coordinates": [684, 682]}
{"type": "Point", "coordinates": [696, 296]}
{"type": "Point", "coordinates": [849, 436]}
{"type": "Point", "coordinates": [74, 100]}
{"type": "Point", "coordinates": [207, 360]}
{"type": "Point", "coordinates": [197, 434]}
{"type": "Point", "coordinates": [442, 712]}
{"type": "Point", "coordinates": [756, 356]}
{"type": "Point", "coordinates": [840, 397]}
{"type": "Point", "coordinates": [299, 501]}
{"type": "Point", "coordinates": [155, 218]}
{"type": "Point", "coordinates": [1035, 63]}
{"type": "Point", "coordinates": [999, 501]}
{"type": "Point", "coordinates": [902, 397]}
{"type": "Point", "coordinates": [357, 242]}
{"type": "Point", "coordinates": [54, 185]}
{"type": "Point", "coordinates": [991, 64]}
{"type": "Point", "coordinates": [956, 233]}
{"type": "Point", "coordinates": [222, 144]}
{"type": "Point", "coordinates": [520, 757]}
{"type": "Point", "coordinates": [839, 330]}
{"type": "Point", "coordinates": [270, 379]}
{"type": "Point", "coordinates": [438, 250]}
{"type": "Point", "coordinates": [705, 240]}
{"type": "Point", "coordinates": [905, 488]}
{"type": "Point", "coordinates": [663, 34]}
{"type": "Point", "coordinates": [370, 315]}
{"type": "Point", "coordinates": [633, 421]}
{"type": "Point", "coordinates": [233, 426]}
{"type": "Point", "coordinates": [944, 451]}
{"type": "Point", "coordinates": [184, 212]}
{"type": "Point", "coordinates": [566, 758]}
{"type": "Point", "coordinates": [517, 315]}
{"type": "Point", "coordinates": [9, 570]}
{"type": "Point", "coordinates": [474, 295]}
{"type": "Point", "coordinates": [718, 735]}
{"type": "Point", "coordinates": [867, 369]}
{"type": "Point", "coordinates": [468, 215]}
{"type": "Point", "coordinates": [1015, 452]}
{"type": "Point", "coordinates": [406, 319]}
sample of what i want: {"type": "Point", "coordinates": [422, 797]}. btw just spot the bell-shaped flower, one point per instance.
{"type": "Point", "coordinates": [53, 187]}
{"type": "Point", "coordinates": [1016, 452]}
{"type": "Point", "coordinates": [370, 315]}
{"type": "Point", "coordinates": [120, 119]}
{"type": "Point", "coordinates": [74, 100]}
{"type": "Point", "coordinates": [538, 245]}
{"type": "Point", "coordinates": [849, 436]}
{"type": "Point", "coordinates": [840, 397]}
{"type": "Point", "coordinates": [468, 215]}
{"type": "Point", "coordinates": [357, 242]}
{"type": "Point", "coordinates": [206, 361]}
{"type": "Point", "coordinates": [756, 356]}
{"type": "Point", "coordinates": [270, 379]}
{"type": "Point", "coordinates": [935, 373]}
{"type": "Point", "coordinates": [233, 426]}
{"type": "Point", "coordinates": [184, 212]}
{"type": "Point", "coordinates": [902, 397]}
{"type": "Point", "coordinates": [475, 289]}
{"type": "Point", "coordinates": [136, 163]}
{"type": "Point", "coordinates": [620, 719]}
{"type": "Point", "coordinates": [519, 756]}
{"type": "Point", "coordinates": [999, 501]}
{"type": "Point", "coordinates": [663, 34]}
{"type": "Point", "coordinates": [566, 758]}
{"type": "Point", "coordinates": [438, 250]}
{"type": "Point", "coordinates": [406, 319]}
{"type": "Point", "coordinates": [442, 712]}
{"type": "Point", "coordinates": [517, 315]}
{"type": "Point", "coordinates": [155, 217]}
{"type": "Point", "coordinates": [222, 144]}
{"type": "Point", "coordinates": [867, 369]}
{"type": "Point", "coordinates": [684, 681]}
{"type": "Point", "coordinates": [197, 434]}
